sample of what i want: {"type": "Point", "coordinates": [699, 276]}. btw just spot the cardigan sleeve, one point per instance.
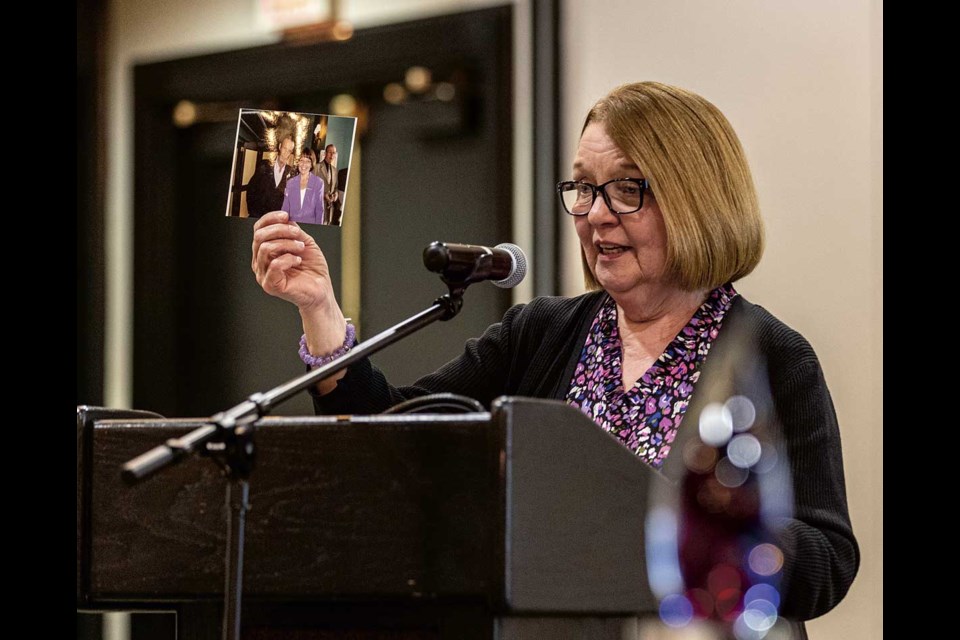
{"type": "Point", "coordinates": [480, 372]}
{"type": "Point", "coordinates": [821, 556]}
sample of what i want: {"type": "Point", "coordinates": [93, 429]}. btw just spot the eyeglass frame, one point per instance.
{"type": "Point", "coordinates": [643, 183]}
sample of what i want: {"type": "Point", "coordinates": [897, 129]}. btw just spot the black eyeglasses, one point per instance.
{"type": "Point", "coordinates": [623, 195]}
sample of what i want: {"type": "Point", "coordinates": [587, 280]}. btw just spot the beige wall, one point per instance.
{"type": "Point", "coordinates": [802, 84]}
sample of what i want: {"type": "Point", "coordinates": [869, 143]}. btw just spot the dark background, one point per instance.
{"type": "Point", "coordinates": [205, 336]}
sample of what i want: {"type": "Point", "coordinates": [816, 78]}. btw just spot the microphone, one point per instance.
{"type": "Point", "coordinates": [505, 263]}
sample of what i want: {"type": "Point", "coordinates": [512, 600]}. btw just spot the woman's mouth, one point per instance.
{"type": "Point", "coordinates": [610, 250]}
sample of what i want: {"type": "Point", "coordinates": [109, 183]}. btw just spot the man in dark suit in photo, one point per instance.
{"type": "Point", "coordinates": [266, 187]}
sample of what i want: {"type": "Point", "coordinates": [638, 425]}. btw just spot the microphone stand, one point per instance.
{"type": "Point", "coordinates": [228, 439]}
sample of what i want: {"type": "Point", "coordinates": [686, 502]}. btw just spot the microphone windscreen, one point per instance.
{"type": "Point", "coordinates": [519, 271]}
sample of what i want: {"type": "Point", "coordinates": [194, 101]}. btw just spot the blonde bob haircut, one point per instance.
{"type": "Point", "coordinates": [698, 174]}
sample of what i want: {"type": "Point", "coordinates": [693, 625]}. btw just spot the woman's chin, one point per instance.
{"type": "Point", "coordinates": [614, 280]}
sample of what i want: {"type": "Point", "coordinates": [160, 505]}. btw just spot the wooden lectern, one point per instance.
{"type": "Point", "coordinates": [525, 522]}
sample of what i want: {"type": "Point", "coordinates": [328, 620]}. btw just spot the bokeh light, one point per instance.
{"type": "Point", "coordinates": [765, 559]}
{"type": "Point", "coordinates": [184, 114]}
{"type": "Point", "coordinates": [724, 584]}
{"type": "Point", "coordinates": [743, 631]}
{"type": "Point", "coordinates": [744, 450]}
{"type": "Point", "coordinates": [663, 563]}
{"type": "Point", "coordinates": [343, 104]}
{"type": "Point", "coordinates": [742, 412]}
{"type": "Point", "coordinates": [445, 91]}
{"type": "Point", "coordinates": [716, 424]}
{"type": "Point", "coordinates": [698, 457]}
{"type": "Point", "coordinates": [676, 611]}
{"type": "Point", "coordinates": [760, 615]}
{"type": "Point", "coordinates": [768, 460]}
{"type": "Point", "coordinates": [417, 79]}
{"type": "Point", "coordinates": [394, 93]}
{"type": "Point", "coordinates": [762, 591]}
{"type": "Point", "coordinates": [723, 576]}
{"type": "Point", "coordinates": [730, 475]}
{"type": "Point", "coordinates": [342, 30]}
{"type": "Point", "coordinates": [727, 603]}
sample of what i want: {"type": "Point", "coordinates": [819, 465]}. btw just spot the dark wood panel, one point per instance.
{"type": "Point", "coordinates": [337, 511]}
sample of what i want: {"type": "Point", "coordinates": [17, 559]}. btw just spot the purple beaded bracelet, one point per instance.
{"type": "Point", "coordinates": [316, 361]}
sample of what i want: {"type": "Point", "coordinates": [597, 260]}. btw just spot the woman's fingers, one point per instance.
{"type": "Point", "coordinates": [274, 217]}
{"type": "Point", "coordinates": [300, 234]}
{"type": "Point", "coordinates": [272, 249]}
{"type": "Point", "coordinates": [277, 231]}
{"type": "Point", "coordinates": [275, 277]}
{"type": "Point", "coordinates": [283, 254]}
{"type": "Point", "coordinates": [273, 232]}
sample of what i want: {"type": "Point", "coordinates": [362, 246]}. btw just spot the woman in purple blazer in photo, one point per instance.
{"type": "Point", "coordinates": [303, 198]}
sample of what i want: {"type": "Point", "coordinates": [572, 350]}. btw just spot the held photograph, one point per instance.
{"type": "Point", "coordinates": [293, 162]}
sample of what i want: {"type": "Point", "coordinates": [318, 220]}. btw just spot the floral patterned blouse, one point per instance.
{"type": "Point", "coordinates": [645, 418]}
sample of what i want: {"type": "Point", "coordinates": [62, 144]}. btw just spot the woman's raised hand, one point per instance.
{"type": "Point", "coordinates": [289, 265]}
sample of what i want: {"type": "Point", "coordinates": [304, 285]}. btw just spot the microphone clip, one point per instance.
{"type": "Point", "coordinates": [452, 302]}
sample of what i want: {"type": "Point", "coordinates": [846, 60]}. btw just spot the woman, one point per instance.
{"type": "Point", "coordinates": [665, 209]}
{"type": "Point", "coordinates": [303, 197]}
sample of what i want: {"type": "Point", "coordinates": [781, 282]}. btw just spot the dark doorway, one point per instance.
{"type": "Point", "coordinates": [205, 336]}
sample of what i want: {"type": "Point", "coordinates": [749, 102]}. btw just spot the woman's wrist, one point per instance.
{"type": "Point", "coordinates": [324, 328]}
{"type": "Point", "coordinates": [324, 332]}
{"type": "Point", "coordinates": [314, 360]}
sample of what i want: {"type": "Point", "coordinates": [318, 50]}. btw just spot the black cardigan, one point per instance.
{"type": "Point", "coordinates": [534, 350]}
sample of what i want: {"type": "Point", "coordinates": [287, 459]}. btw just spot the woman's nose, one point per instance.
{"type": "Point", "coordinates": [600, 213]}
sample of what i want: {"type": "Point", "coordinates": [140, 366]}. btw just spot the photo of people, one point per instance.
{"type": "Point", "coordinates": [293, 162]}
